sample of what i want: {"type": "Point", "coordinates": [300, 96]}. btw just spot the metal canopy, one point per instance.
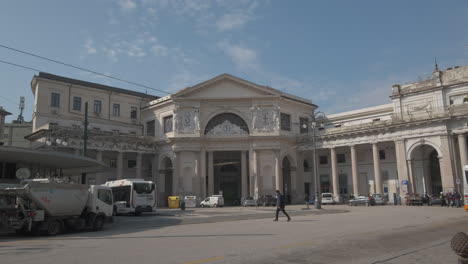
{"type": "Point", "coordinates": [57, 160]}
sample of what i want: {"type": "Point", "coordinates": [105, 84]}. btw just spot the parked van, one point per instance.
{"type": "Point", "coordinates": [327, 198]}
{"type": "Point", "coordinates": [213, 201]}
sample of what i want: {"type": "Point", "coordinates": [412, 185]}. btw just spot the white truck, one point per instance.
{"type": "Point", "coordinates": [41, 206]}
{"type": "Point", "coordinates": [213, 201]}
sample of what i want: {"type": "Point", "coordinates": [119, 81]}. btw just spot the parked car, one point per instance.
{"type": "Point", "coordinates": [361, 200]}
{"type": "Point", "coordinates": [267, 200]}
{"type": "Point", "coordinates": [379, 200]}
{"type": "Point", "coordinates": [435, 199]}
{"type": "Point", "coordinates": [327, 198]}
{"type": "Point", "coordinates": [213, 201]}
{"type": "Point", "coordinates": [249, 201]}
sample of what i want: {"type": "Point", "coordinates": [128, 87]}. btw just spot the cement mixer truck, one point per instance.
{"type": "Point", "coordinates": [45, 207]}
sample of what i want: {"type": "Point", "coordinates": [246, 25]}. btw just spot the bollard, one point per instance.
{"type": "Point", "coordinates": [459, 245]}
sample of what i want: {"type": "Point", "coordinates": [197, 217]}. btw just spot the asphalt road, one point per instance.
{"type": "Point", "coordinates": [362, 235]}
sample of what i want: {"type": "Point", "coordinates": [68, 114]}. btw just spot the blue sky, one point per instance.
{"type": "Point", "coordinates": [343, 55]}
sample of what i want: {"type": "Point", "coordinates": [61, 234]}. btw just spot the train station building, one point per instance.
{"type": "Point", "coordinates": [233, 137]}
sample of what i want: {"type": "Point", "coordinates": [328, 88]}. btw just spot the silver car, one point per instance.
{"type": "Point", "coordinates": [249, 201]}
{"type": "Point", "coordinates": [379, 200]}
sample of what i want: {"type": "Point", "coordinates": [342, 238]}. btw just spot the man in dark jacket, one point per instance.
{"type": "Point", "coordinates": [280, 203]}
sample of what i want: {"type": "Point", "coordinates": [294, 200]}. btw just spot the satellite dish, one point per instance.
{"type": "Point", "coordinates": [23, 173]}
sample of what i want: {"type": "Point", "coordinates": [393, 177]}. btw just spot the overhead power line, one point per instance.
{"type": "Point", "coordinates": [76, 67]}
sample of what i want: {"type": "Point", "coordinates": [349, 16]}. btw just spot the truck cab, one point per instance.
{"type": "Point", "coordinates": [100, 201]}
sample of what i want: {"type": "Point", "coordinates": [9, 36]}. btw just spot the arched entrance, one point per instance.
{"type": "Point", "coordinates": [167, 170]}
{"type": "Point", "coordinates": [426, 170]}
{"type": "Point", "coordinates": [286, 172]}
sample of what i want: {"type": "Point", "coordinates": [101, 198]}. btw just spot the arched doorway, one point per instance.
{"type": "Point", "coordinates": [167, 170]}
{"type": "Point", "coordinates": [426, 170]}
{"type": "Point", "coordinates": [227, 176]}
{"type": "Point", "coordinates": [287, 179]}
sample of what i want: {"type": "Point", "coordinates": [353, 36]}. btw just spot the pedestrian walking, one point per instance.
{"type": "Point", "coordinates": [280, 204]}
{"type": "Point", "coordinates": [442, 199]}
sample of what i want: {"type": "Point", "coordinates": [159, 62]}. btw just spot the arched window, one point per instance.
{"type": "Point", "coordinates": [226, 123]}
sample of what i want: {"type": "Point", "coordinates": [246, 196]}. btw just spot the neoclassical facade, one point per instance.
{"type": "Point", "coordinates": [230, 136]}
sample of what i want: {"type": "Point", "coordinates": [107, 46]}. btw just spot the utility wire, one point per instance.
{"type": "Point", "coordinates": [21, 66]}
{"type": "Point", "coordinates": [79, 68]}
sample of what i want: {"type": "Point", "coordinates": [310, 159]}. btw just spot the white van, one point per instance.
{"type": "Point", "coordinates": [213, 201]}
{"type": "Point", "coordinates": [327, 198]}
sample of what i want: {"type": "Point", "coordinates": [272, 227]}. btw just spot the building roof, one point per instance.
{"type": "Point", "coordinates": [3, 112]}
{"type": "Point", "coordinates": [50, 159]}
{"type": "Point", "coordinates": [53, 77]}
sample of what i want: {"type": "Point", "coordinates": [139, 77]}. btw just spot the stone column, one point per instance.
{"type": "Point", "coordinates": [244, 175]}
{"type": "Point", "coordinates": [354, 170]}
{"type": "Point", "coordinates": [195, 179]}
{"type": "Point", "coordinates": [402, 168]}
{"type": "Point", "coordinates": [463, 153]}
{"type": "Point", "coordinates": [254, 174]}
{"type": "Point", "coordinates": [446, 168]}
{"type": "Point", "coordinates": [300, 191]}
{"type": "Point", "coordinates": [278, 172]}
{"type": "Point", "coordinates": [156, 178]}
{"type": "Point", "coordinates": [412, 187]}
{"type": "Point", "coordinates": [377, 175]}
{"type": "Point", "coordinates": [203, 174]}
{"type": "Point", "coordinates": [176, 174]}
{"type": "Point", "coordinates": [139, 165]}
{"type": "Point", "coordinates": [120, 165]}
{"type": "Point", "coordinates": [210, 173]}
{"type": "Point", "coordinates": [335, 180]}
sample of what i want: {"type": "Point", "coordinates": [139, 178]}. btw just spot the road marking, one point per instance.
{"type": "Point", "coordinates": [298, 245]}
{"type": "Point", "coordinates": [204, 260]}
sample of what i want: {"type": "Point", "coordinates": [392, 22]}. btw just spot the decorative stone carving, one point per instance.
{"type": "Point", "coordinates": [226, 128]}
{"type": "Point", "coordinates": [265, 120]}
{"type": "Point", "coordinates": [187, 122]}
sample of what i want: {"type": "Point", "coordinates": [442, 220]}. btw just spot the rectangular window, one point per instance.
{"type": "Point", "coordinates": [76, 103]}
{"type": "Point", "coordinates": [116, 109]}
{"type": "Point", "coordinates": [325, 183]}
{"type": "Point", "coordinates": [341, 158]}
{"type": "Point", "coordinates": [382, 154]}
{"type": "Point", "coordinates": [131, 164]}
{"type": "Point", "coordinates": [150, 128]}
{"type": "Point", "coordinates": [133, 112]}
{"type": "Point", "coordinates": [304, 125]}
{"type": "Point", "coordinates": [55, 100]}
{"type": "Point", "coordinates": [97, 106]}
{"type": "Point", "coordinates": [323, 160]}
{"type": "Point", "coordinates": [285, 122]}
{"type": "Point", "coordinates": [167, 124]}
{"type": "Point", "coordinates": [113, 163]}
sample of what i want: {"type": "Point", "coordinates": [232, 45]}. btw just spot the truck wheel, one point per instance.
{"type": "Point", "coordinates": [98, 223]}
{"type": "Point", "coordinates": [54, 228]}
{"type": "Point", "coordinates": [215, 205]}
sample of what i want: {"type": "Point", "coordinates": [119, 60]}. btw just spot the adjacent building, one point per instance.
{"type": "Point", "coordinates": [231, 136]}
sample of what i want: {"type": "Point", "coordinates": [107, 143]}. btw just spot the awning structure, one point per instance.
{"type": "Point", "coordinates": [56, 160]}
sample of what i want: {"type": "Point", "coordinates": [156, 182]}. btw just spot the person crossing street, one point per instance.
{"type": "Point", "coordinates": [280, 204]}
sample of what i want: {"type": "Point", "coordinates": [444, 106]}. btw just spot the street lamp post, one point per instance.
{"type": "Point", "coordinates": [85, 141]}
{"type": "Point", "coordinates": [317, 116]}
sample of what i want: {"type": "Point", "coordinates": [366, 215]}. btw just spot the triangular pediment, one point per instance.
{"type": "Point", "coordinates": [226, 86]}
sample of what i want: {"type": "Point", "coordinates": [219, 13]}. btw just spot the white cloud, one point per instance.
{"type": "Point", "coordinates": [185, 79]}
{"type": "Point", "coordinates": [243, 58]}
{"type": "Point", "coordinates": [127, 5]}
{"type": "Point", "coordinates": [89, 47]}
{"type": "Point", "coordinates": [159, 50]}
{"type": "Point", "coordinates": [232, 21]}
